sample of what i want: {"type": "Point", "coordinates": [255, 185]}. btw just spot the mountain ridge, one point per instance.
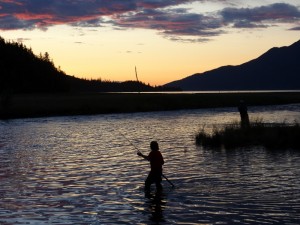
{"type": "Point", "coordinates": [276, 69]}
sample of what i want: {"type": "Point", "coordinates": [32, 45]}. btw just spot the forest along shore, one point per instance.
{"type": "Point", "coordinates": [42, 105]}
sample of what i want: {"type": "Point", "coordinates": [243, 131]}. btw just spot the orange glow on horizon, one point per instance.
{"type": "Point", "coordinates": [108, 53]}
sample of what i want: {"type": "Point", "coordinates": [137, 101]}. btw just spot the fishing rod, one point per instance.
{"type": "Point", "coordinates": [168, 180]}
{"type": "Point", "coordinates": [141, 153]}
{"type": "Point", "coordinates": [130, 142]}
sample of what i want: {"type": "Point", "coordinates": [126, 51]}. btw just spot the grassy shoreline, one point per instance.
{"type": "Point", "coordinates": [44, 105]}
{"type": "Point", "coordinates": [270, 136]}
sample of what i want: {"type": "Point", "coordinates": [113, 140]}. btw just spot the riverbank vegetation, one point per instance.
{"type": "Point", "coordinates": [270, 136]}
{"type": "Point", "coordinates": [62, 104]}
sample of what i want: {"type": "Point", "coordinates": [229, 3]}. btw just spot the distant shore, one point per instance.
{"type": "Point", "coordinates": [44, 105]}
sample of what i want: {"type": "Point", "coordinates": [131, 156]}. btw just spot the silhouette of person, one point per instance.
{"type": "Point", "coordinates": [156, 161]}
{"type": "Point", "coordinates": [244, 114]}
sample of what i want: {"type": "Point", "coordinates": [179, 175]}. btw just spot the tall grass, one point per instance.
{"type": "Point", "coordinates": [271, 136]}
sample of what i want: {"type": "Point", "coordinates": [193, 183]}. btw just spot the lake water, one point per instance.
{"type": "Point", "coordinates": [84, 170]}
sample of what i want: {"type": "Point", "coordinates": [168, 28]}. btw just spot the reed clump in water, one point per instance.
{"type": "Point", "coordinates": [270, 136]}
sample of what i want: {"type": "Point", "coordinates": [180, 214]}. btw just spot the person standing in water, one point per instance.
{"type": "Point", "coordinates": [245, 123]}
{"type": "Point", "coordinates": [156, 161]}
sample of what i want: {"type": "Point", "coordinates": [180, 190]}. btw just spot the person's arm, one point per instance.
{"type": "Point", "coordinates": [142, 155]}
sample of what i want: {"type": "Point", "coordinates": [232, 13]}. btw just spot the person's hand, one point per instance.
{"type": "Point", "coordinates": [139, 153]}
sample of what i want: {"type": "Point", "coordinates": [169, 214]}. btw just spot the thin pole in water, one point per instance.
{"type": "Point", "coordinates": [137, 79]}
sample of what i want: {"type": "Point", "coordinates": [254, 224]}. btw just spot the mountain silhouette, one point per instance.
{"type": "Point", "coordinates": [21, 71]}
{"type": "Point", "coordinates": [277, 69]}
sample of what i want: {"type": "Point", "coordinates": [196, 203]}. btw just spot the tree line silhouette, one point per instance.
{"type": "Point", "coordinates": [21, 71]}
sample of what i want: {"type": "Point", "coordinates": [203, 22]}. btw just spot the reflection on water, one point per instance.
{"type": "Point", "coordinates": [84, 170]}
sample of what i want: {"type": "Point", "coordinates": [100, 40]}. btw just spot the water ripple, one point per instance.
{"type": "Point", "coordinates": [84, 170]}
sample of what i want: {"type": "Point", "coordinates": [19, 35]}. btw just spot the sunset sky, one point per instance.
{"type": "Point", "coordinates": [165, 39]}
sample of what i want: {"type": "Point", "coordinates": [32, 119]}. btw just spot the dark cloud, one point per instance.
{"type": "Point", "coordinates": [20, 14]}
{"type": "Point", "coordinates": [260, 16]}
{"type": "Point", "coordinates": [187, 40]}
{"type": "Point", "coordinates": [147, 4]}
{"type": "Point", "coordinates": [22, 39]}
{"type": "Point", "coordinates": [176, 23]}
{"type": "Point", "coordinates": [45, 13]}
{"type": "Point", "coordinates": [295, 28]}
{"type": "Point", "coordinates": [171, 22]}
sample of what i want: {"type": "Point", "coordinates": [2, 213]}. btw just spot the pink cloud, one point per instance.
{"type": "Point", "coordinates": [147, 14]}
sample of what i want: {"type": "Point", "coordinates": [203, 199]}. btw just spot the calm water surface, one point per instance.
{"type": "Point", "coordinates": [84, 170]}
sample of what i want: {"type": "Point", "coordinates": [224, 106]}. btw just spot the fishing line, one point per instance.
{"type": "Point", "coordinates": [129, 142]}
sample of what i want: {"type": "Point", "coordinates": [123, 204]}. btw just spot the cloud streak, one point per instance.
{"type": "Point", "coordinates": [170, 18]}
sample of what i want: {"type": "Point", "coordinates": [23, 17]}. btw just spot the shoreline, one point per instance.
{"type": "Point", "coordinates": [279, 136]}
{"type": "Point", "coordinates": [70, 104]}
